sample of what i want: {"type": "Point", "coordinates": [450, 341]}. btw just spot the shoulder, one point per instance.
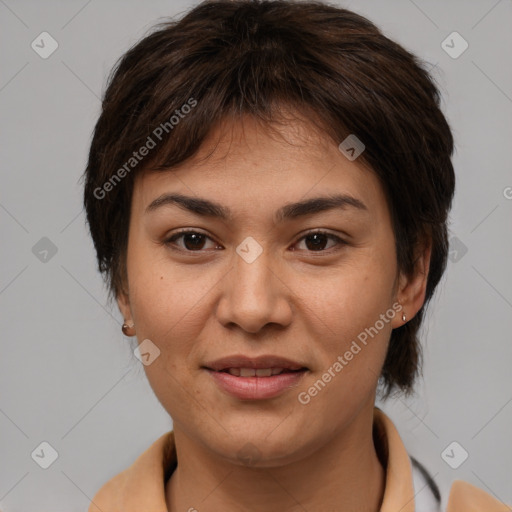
{"type": "Point", "coordinates": [107, 497]}
{"type": "Point", "coordinates": [141, 486]}
{"type": "Point", "coordinates": [465, 497]}
{"type": "Point", "coordinates": [426, 492]}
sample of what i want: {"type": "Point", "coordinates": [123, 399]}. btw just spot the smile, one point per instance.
{"type": "Point", "coordinates": [254, 387]}
{"type": "Point", "coordinates": [256, 372]}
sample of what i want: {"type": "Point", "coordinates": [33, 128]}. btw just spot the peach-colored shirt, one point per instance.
{"type": "Point", "coordinates": [141, 487]}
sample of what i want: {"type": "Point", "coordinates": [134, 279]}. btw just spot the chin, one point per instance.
{"type": "Point", "coordinates": [264, 442]}
{"type": "Point", "coordinates": [262, 454]}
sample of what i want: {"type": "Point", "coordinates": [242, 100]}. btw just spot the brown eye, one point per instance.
{"type": "Point", "coordinates": [194, 241]}
{"type": "Point", "coordinates": [191, 240]}
{"type": "Point", "coordinates": [316, 241]}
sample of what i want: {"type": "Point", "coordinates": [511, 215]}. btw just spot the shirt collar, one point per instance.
{"type": "Point", "coordinates": [142, 485]}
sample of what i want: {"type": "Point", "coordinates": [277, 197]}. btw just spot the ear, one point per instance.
{"type": "Point", "coordinates": [412, 289]}
{"type": "Point", "coordinates": [123, 302]}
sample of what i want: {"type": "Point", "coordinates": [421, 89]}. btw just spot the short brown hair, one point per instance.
{"type": "Point", "coordinates": [231, 58]}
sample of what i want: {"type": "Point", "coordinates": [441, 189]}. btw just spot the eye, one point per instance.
{"type": "Point", "coordinates": [315, 241]}
{"type": "Point", "coordinates": [193, 241]}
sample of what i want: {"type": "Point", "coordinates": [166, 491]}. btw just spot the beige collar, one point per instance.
{"type": "Point", "coordinates": [141, 487]}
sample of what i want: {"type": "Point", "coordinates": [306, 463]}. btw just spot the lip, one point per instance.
{"type": "Point", "coordinates": [255, 388]}
{"type": "Point", "coordinates": [240, 361]}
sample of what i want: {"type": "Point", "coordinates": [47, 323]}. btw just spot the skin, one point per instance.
{"type": "Point", "coordinates": [292, 301]}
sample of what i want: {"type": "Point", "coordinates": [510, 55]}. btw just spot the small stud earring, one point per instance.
{"type": "Point", "coordinates": [403, 313]}
{"type": "Point", "coordinates": [127, 329]}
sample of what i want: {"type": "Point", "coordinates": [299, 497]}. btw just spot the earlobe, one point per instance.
{"type": "Point", "coordinates": [412, 289]}
{"type": "Point", "coordinates": [123, 303]}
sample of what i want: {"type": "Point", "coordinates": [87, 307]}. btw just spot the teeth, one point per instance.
{"type": "Point", "coordinates": [253, 372]}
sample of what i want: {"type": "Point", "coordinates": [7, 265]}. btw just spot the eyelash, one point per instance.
{"type": "Point", "coordinates": [169, 241]}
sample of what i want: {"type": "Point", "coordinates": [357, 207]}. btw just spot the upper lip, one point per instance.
{"type": "Point", "coordinates": [238, 361]}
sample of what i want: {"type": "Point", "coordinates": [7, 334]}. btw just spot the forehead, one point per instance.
{"type": "Point", "coordinates": [244, 162]}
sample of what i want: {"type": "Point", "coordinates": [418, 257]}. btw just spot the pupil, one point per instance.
{"type": "Point", "coordinates": [196, 241]}
{"type": "Point", "coordinates": [318, 243]}
{"type": "Point", "coordinates": [314, 242]}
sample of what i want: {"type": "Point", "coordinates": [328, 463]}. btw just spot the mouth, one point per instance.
{"type": "Point", "coordinates": [258, 372]}
{"type": "Point", "coordinates": [254, 363]}
{"type": "Point", "coordinates": [255, 378]}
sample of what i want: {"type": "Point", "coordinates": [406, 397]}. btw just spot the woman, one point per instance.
{"type": "Point", "coordinates": [267, 190]}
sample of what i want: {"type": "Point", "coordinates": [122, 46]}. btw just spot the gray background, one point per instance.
{"type": "Point", "coordinates": [67, 375]}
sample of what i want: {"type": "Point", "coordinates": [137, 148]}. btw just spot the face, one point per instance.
{"type": "Point", "coordinates": [238, 298]}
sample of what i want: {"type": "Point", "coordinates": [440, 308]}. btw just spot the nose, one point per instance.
{"type": "Point", "coordinates": [254, 295]}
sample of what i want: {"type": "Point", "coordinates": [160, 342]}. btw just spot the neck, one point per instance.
{"type": "Point", "coordinates": [344, 474]}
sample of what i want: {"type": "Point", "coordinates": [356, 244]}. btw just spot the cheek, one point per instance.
{"type": "Point", "coordinates": [171, 307]}
{"type": "Point", "coordinates": [157, 290]}
{"type": "Point", "coordinates": [352, 339]}
{"type": "Point", "coordinates": [351, 346]}
{"type": "Point", "coordinates": [350, 299]}
{"type": "Point", "coordinates": [167, 312]}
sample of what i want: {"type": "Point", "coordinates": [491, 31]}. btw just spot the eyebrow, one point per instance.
{"type": "Point", "coordinates": [207, 208]}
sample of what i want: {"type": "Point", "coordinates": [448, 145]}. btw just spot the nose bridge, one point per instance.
{"type": "Point", "coordinates": [251, 277]}
{"type": "Point", "coordinates": [252, 298]}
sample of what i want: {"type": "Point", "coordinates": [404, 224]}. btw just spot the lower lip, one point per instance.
{"type": "Point", "coordinates": [256, 388]}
